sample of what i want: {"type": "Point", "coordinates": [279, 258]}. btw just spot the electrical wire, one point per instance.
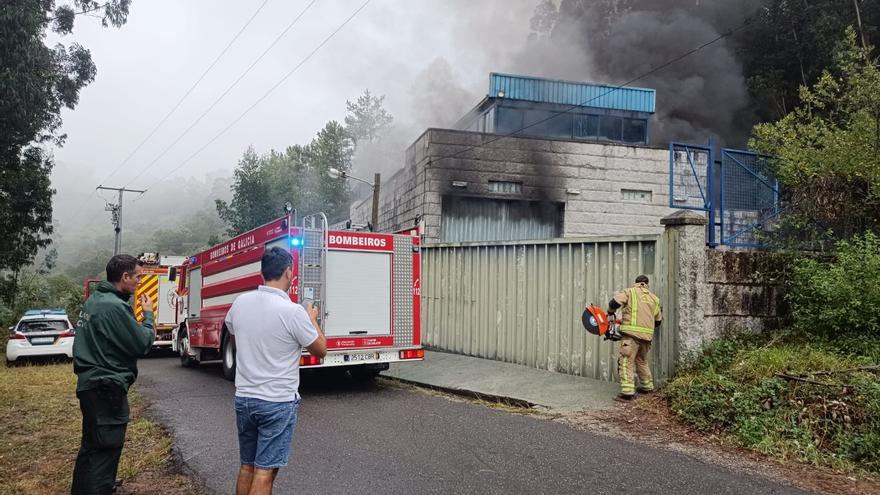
{"type": "Point", "coordinates": [296, 19]}
{"type": "Point", "coordinates": [187, 93]}
{"type": "Point", "coordinates": [266, 94]}
{"type": "Point", "coordinates": [611, 90]}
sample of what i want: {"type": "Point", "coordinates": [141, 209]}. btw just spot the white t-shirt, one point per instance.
{"type": "Point", "coordinates": [270, 333]}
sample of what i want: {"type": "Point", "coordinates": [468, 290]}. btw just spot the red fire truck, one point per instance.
{"type": "Point", "coordinates": [155, 284]}
{"type": "Point", "coordinates": [366, 286]}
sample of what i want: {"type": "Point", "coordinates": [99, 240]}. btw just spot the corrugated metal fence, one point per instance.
{"type": "Point", "coordinates": [521, 302]}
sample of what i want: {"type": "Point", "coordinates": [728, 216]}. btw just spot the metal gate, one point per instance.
{"type": "Point", "coordinates": [738, 192]}
{"type": "Point", "coordinates": [521, 302]}
{"type": "Point", "coordinates": [749, 197]}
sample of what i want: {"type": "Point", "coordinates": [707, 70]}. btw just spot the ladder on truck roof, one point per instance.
{"type": "Point", "coordinates": [313, 276]}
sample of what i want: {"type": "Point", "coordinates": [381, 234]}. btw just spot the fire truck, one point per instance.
{"type": "Point", "coordinates": [365, 285]}
{"type": "Point", "coordinates": [160, 290]}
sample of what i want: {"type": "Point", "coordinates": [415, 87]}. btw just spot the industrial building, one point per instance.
{"type": "Point", "coordinates": [535, 159]}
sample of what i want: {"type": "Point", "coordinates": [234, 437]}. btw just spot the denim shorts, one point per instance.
{"type": "Point", "coordinates": [265, 431]}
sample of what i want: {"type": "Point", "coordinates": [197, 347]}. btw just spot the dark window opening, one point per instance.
{"type": "Point", "coordinates": [635, 131]}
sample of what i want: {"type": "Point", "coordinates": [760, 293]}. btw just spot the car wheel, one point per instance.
{"type": "Point", "coordinates": [186, 360]}
{"type": "Point", "coordinates": [227, 353]}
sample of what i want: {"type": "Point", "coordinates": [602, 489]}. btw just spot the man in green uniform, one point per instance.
{"type": "Point", "coordinates": [642, 315]}
{"type": "Point", "coordinates": [108, 343]}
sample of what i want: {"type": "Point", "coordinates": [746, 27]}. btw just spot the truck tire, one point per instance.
{"type": "Point", "coordinates": [227, 355]}
{"type": "Point", "coordinates": [186, 360]}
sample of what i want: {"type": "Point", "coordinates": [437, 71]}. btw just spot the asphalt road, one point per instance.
{"type": "Point", "coordinates": [385, 439]}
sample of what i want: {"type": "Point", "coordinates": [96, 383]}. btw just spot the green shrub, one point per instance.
{"type": "Point", "coordinates": [741, 386]}
{"type": "Point", "coordinates": [842, 296]}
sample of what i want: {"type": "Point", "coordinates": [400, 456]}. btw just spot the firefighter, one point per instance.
{"type": "Point", "coordinates": [642, 315]}
{"type": "Point", "coordinates": [108, 342]}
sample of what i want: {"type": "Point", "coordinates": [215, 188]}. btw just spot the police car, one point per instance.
{"type": "Point", "coordinates": [42, 332]}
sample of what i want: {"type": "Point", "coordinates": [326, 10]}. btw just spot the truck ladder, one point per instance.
{"type": "Point", "coordinates": [313, 276]}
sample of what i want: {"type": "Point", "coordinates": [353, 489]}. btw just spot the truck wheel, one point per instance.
{"type": "Point", "coordinates": [186, 360]}
{"type": "Point", "coordinates": [227, 352]}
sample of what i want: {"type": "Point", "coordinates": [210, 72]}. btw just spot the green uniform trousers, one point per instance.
{"type": "Point", "coordinates": [105, 419]}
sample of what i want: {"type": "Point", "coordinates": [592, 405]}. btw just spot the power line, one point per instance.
{"type": "Point", "coordinates": [615, 88]}
{"type": "Point", "coordinates": [266, 94]}
{"type": "Point", "coordinates": [223, 95]}
{"type": "Point", "coordinates": [188, 92]}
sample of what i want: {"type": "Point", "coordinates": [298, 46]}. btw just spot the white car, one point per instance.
{"type": "Point", "coordinates": [40, 333]}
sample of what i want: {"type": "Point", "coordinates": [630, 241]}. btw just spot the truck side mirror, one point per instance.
{"type": "Point", "coordinates": [172, 274]}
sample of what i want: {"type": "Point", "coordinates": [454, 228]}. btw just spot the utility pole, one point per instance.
{"type": "Point", "coordinates": [116, 214]}
{"type": "Point", "coordinates": [377, 179]}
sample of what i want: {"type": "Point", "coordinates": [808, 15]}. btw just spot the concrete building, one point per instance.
{"type": "Point", "coordinates": [570, 174]}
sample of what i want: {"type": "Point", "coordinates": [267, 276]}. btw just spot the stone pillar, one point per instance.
{"type": "Point", "coordinates": [684, 240]}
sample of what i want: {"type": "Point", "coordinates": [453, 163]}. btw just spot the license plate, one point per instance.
{"type": "Point", "coordinates": [367, 356]}
{"type": "Point", "coordinates": [42, 340]}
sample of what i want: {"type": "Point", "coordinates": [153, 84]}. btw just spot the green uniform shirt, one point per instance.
{"type": "Point", "coordinates": [109, 340]}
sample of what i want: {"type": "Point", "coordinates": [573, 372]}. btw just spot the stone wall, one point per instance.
{"type": "Point", "coordinates": [594, 181]}
{"type": "Point", "coordinates": [738, 299]}
{"type": "Point", "coordinates": [714, 291]}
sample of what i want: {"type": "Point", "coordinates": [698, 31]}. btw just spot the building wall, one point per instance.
{"type": "Point", "coordinates": [740, 297]}
{"type": "Point", "coordinates": [587, 177]}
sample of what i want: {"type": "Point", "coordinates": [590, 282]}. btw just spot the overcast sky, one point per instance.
{"type": "Point", "coordinates": [144, 68]}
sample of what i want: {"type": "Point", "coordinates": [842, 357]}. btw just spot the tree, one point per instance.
{"type": "Point", "coordinates": [828, 153]}
{"type": "Point", "coordinates": [36, 82]}
{"type": "Point", "coordinates": [299, 175]}
{"type": "Point", "coordinates": [249, 207]}
{"type": "Point", "coordinates": [367, 118]}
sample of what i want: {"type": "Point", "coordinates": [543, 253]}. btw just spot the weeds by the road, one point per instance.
{"type": "Point", "coordinates": [803, 399]}
{"type": "Point", "coordinates": [40, 426]}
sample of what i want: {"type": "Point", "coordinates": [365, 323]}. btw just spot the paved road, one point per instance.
{"type": "Point", "coordinates": [383, 439]}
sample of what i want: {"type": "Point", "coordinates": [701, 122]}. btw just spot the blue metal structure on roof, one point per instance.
{"type": "Point", "coordinates": [571, 93]}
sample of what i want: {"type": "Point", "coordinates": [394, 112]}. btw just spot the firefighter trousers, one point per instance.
{"type": "Point", "coordinates": [105, 419]}
{"type": "Point", "coordinates": [632, 360]}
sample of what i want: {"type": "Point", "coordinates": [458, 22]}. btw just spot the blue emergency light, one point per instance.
{"type": "Point", "coordinates": [35, 312]}
{"type": "Point", "coordinates": [296, 242]}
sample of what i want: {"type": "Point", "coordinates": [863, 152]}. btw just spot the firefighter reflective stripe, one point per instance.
{"type": "Point", "coordinates": [627, 387]}
{"type": "Point", "coordinates": [656, 307]}
{"type": "Point", "coordinates": [633, 327]}
{"type": "Point", "coordinates": [634, 306]}
{"type": "Point", "coordinates": [150, 286]}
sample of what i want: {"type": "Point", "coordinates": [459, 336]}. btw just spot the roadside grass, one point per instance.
{"type": "Point", "coordinates": [790, 397]}
{"type": "Point", "coordinates": [40, 427]}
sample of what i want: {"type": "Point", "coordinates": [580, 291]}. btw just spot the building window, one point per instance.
{"type": "Point", "coordinates": [586, 126]}
{"type": "Point", "coordinates": [610, 128]}
{"type": "Point", "coordinates": [505, 187]}
{"type": "Point", "coordinates": [635, 131]}
{"type": "Point", "coordinates": [508, 120]}
{"type": "Point", "coordinates": [637, 195]}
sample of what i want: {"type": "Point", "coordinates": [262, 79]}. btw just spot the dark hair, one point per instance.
{"type": "Point", "coordinates": [642, 279]}
{"type": "Point", "coordinates": [120, 265]}
{"type": "Point", "coordinates": [275, 261]}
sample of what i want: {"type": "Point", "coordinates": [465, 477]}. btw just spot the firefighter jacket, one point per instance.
{"type": "Point", "coordinates": [109, 340]}
{"type": "Point", "coordinates": [641, 311]}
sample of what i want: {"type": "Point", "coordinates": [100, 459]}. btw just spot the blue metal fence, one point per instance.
{"type": "Point", "coordinates": [749, 198]}
{"type": "Point", "coordinates": [738, 192]}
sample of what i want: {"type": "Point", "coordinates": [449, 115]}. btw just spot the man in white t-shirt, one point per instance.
{"type": "Point", "coordinates": [270, 332]}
